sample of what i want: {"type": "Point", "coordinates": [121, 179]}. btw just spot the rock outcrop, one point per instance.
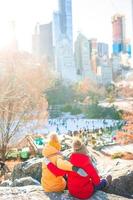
{"type": "Point", "coordinates": [32, 167]}
{"type": "Point", "coordinates": [122, 176]}
{"type": "Point", "coordinates": [37, 193]}
{"type": "Point", "coordinates": [123, 186]}
{"type": "Point", "coordinates": [29, 173]}
{"type": "Point", "coordinates": [121, 171]}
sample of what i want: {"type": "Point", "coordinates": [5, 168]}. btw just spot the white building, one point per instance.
{"type": "Point", "coordinates": [104, 75]}
{"type": "Point", "coordinates": [116, 66]}
{"type": "Point", "coordinates": [64, 61]}
{"type": "Point", "coordinates": [82, 56]}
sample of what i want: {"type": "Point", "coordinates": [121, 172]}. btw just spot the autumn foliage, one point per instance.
{"type": "Point", "coordinates": [125, 136]}
{"type": "Point", "coordinates": [22, 95]}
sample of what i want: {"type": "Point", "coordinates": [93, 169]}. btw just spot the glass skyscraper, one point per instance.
{"type": "Point", "coordinates": [63, 41]}
{"type": "Point", "coordinates": [65, 18]}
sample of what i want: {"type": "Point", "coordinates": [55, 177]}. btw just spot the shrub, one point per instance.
{"type": "Point", "coordinates": [12, 154]}
{"type": "Point", "coordinates": [117, 155]}
{"type": "Point", "coordinates": [95, 111]}
{"type": "Point", "coordinates": [76, 111]}
{"type": "Point", "coordinates": [66, 108]}
{"type": "Point", "coordinates": [72, 109]}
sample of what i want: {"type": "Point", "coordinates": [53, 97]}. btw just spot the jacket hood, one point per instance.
{"type": "Point", "coordinates": [49, 150]}
{"type": "Point", "coordinates": [79, 160]}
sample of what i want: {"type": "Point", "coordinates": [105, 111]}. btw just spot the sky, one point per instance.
{"type": "Point", "coordinates": [91, 17]}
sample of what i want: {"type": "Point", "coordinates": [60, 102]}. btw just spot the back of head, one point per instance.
{"type": "Point", "coordinates": [75, 133]}
{"type": "Point", "coordinates": [54, 141]}
{"type": "Point", "coordinates": [79, 147]}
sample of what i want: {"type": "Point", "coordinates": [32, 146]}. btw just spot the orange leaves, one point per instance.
{"type": "Point", "coordinates": [124, 138]}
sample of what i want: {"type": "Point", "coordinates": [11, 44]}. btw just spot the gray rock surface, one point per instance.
{"type": "Point", "coordinates": [6, 183]}
{"type": "Point", "coordinates": [122, 177]}
{"type": "Point", "coordinates": [20, 182]}
{"type": "Point", "coordinates": [32, 167]}
{"type": "Point", "coordinates": [122, 185]}
{"type": "Point", "coordinates": [37, 193]}
{"type": "Point", "coordinates": [24, 181]}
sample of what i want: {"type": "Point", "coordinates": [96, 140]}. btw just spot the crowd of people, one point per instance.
{"type": "Point", "coordinates": [77, 174]}
{"type": "Point", "coordinates": [66, 125]}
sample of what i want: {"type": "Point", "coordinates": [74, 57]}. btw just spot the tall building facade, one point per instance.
{"type": "Point", "coordinates": [118, 23]}
{"type": "Point", "coordinates": [93, 54]}
{"type": "Point", "coordinates": [36, 41]}
{"type": "Point", "coordinates": [46, 41]}
{"type": "Point", "coordinates": [104, 75]}
{"type": "Point", "coordinates": [116, 65]}
{"type": "Point", "coordinates": [121, 45]}
{"type": "Point", "coordinates": [65, 63]}
{"type": "Point", "coordinates": [42, 41]}
{"type": "Point", "coordinates": [65, 17]}
{"type": "Point", "coordinates": [55, 41]}
{"type": "Point", "coordinates": [56, 28]}
{"type": "Point", "coordinates": [103, 49]}
{"type": "Point", "coordinates": [102, 54]}
{"type": "Point", "coordinates": [63, 41]}
{"type": "Point", "coordinates": [92, 60]}
{"type": "Point", "coordinates": [118, 27]}
{"type": "Point", "coordinates": [82, 55]}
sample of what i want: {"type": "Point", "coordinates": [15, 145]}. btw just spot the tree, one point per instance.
{"type": "Point", "coordinates": [111, 93]}
{"type": "Point", "coordinates": [22, 98]}
{"type": "Point", "coordinates": [60, 94]}
{"type": "Point", "coordinates": [95, 111]}
{"type": "Point", "coordinates": [88, 91]}
{"type": "Point", "coordinates": [126, 91]}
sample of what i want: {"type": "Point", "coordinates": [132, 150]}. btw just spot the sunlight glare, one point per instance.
{"type": "Point", "coordinates": [6, 35]}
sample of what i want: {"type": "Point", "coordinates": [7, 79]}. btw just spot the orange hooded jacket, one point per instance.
{"type": "Point", "coordinates": [49, 181]}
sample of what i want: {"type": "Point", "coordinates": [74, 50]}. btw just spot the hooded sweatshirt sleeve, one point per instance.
{"type": "Point", "coordinates": [64, 164]}
{"type": "Point", "coordinates": [93, 174]}
{"type": "Point", "coordinates": [55, 170]}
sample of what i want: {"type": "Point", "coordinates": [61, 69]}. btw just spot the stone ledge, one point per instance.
{"type": "Point", "coordinates": [37, 193]}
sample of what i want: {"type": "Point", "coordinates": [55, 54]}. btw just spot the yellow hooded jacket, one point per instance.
{"type": "Point", "coordinates": [49, 181]}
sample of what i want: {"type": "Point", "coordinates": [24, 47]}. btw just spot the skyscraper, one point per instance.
{"type": "Point", "coordinates": [118, 23]}
{"type": "Point", "coordinates": [42, 41]}
{"type": "Point", "coordinates": [93, 54]}
{"type": "Point", "coordinates": [103, 49]}
{"type": "Point", "coordinates": [56, 28]}
{"type": "Point", "coordinates": [64, 61]}
{"type": "Point", "coordinates": [65, 17]}
{"type": "Point", "coordinates": [82, 55]}
{"type": "Point", "coordinates": [121, 45]}
{"type": "Point", "coordinates": [118, 26]}
{"type": "Point", "coordinates": [46, 41]}
{"type": "Point", "coordinates": [63, 41]}
{"type": "Point", "coordinates": [36, 41]}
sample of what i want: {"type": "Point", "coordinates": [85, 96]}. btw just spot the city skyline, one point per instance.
{"type": "Point", "coordinates": [27, 14]}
